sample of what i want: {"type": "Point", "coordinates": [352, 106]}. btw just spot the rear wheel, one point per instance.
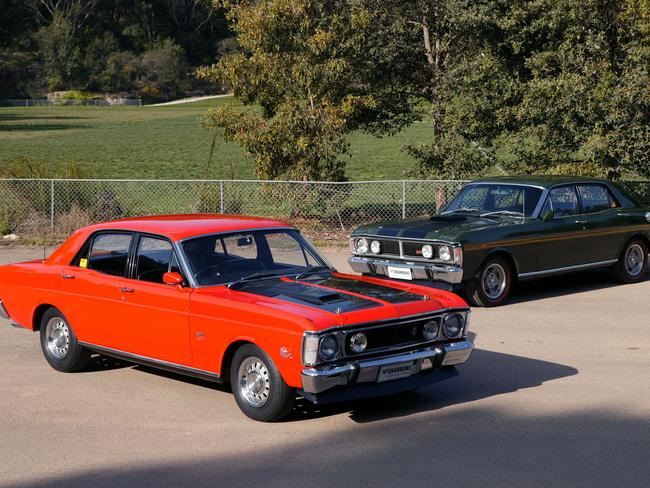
{"type": "Point", "coordinates": [59, 343]}
{"type": "Point", "coordinates": [258, 387]}
{"type": "Point", "coordinates": [632, 263]}
{"type": "Point", "coordinates": [490, 286]}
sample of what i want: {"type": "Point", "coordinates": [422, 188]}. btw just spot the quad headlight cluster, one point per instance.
{"type": "Point", "coordinates": [451, 327]}
{"type": "Point", "coordinates": [444, 252]}
{"type": "Point", "coordinates": [319, 349]}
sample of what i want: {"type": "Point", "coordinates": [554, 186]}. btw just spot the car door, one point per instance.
{"type": "Point", "coordinates": [89, 287]}
{"type": "Point", "coordinates": [564, 238]}
{"type": "Point", "coordinates": [606, 219]}
{"type": "Point", "coordinates": [155, 315]}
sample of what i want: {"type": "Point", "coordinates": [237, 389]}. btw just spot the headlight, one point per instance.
{"type": "Point", "coordinates": [452, 326]}
{"type": "Point", "coordinates": [427, 251]}
{"type": "Point", "coordinates": [444, 253]}
{"type": "Point", "coordinates": [361, 246]}
{"type": "Point", "coordinates": [431, 330]}
{"type": "Point", "coordinates": [375, 247]}
{"type": "Point", "coordinates": [329, 348]}
{"type": "Point", "coordinates": [358, 342]}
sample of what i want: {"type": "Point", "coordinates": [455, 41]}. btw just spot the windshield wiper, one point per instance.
{"type": "Point", "coordinates": [250, 277]}
{"type": "Point", "coordinates": [310, 270]}
{"type": "Point", "coordinates": [503, 212]}
{"type": "Point", "coordinates": [461, 209]}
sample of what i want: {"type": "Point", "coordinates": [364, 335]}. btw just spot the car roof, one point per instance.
{"type": "Point", "coordinates": [543, 181]}
{"type": "Point", "coordinates": [178, 227]}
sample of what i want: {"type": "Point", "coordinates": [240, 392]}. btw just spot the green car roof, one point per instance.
{"type": "Point", "coordinates": [543, 181]}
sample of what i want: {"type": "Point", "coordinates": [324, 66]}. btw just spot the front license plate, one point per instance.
{"type": "Point", "coordinates": [399, 273]}
{"type": "Point", "coordinates": [395, 371]}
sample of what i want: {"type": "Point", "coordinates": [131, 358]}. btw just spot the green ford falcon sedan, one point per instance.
{"type": "Point", "coordinates": [496, 231]}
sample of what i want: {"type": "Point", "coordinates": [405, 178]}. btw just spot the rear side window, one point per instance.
{"type": "Point", "coordinates": [109, 253]}
{"type": "Point", "coordinates": [595, 198]}
{"type": "Point", "coordinates": [563, 201]}
{"type": "Point", "coordinates": [154, 258]}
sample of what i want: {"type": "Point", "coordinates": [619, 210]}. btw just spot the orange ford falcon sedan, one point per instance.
{"type": "Point", "coordinates": [242, 300]}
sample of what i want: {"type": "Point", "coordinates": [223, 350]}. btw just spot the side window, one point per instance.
{"type": "Point", "coordinates": [109, 253]}
{"type": "Point", "coordinates": [240, 245]}
{"type": "Point", "coordinates": [595, 198]}
{"type": "Point", "coordinates": [153, 259]}
{"type": "Point", "coordinates": [563, 201]}
{"type": "Point", "coordinates": [286, 251]}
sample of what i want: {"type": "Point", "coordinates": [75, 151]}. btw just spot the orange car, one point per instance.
{"type": "Point", "coordinates": [234, 299]}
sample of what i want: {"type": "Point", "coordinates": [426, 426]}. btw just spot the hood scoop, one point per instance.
{"type": "Point", "coordinates": [323, 298]}
{"type": "Point", "coordinates": [448, 218]}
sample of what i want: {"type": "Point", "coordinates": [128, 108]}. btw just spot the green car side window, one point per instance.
{"type": "Point", "coordinates": [595, 198]}
{"type": "Point", "coordinates": [563, 201]}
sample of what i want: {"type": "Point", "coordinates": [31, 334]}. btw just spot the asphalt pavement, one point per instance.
{"type": "Point", "coordinates": [556, 394]}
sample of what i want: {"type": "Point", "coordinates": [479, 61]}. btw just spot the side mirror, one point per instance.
{"type": "Point", "coordinates": [173, 279]}
{"type": "Point", "coordinates": [547, 216]}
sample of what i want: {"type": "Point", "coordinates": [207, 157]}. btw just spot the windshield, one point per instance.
{"type": "Point", "coordinates": [495, 199]}
{"type": "Point", "coordinates": [226, 258]}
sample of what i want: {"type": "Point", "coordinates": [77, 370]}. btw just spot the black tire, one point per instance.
{"type": "Point", "coordinates": [477, 289]}
{"type": "Point", "coordinates": [273, 397]}
{"type": "Point", "coordinates": [70, 356]}
{"type": "Point", "coordinates": [631, 268]}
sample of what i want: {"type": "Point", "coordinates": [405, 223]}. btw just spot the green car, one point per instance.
{"type": "Point", "coordinates": [496, 231]}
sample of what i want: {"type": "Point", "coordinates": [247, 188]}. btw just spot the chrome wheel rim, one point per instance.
{"type": "Point", "coordinates": [634, 260]}
{"type": "Point", "coordinates": [494, 281]}
{"type": "Point", "coordinates": [254, 381]}
{"type": "Point", "coordinates": [57, 334]}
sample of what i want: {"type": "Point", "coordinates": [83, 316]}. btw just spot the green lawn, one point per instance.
{"type": "Point", "coordinates": [165, 142]}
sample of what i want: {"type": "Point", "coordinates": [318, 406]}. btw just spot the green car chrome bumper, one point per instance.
{"type": "Point", "coordinates": [419, 271]}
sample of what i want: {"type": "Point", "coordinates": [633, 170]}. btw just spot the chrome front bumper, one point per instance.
{"type": "Point", "coordinates": [3, 311]}
{"type": "Point", "coordinates": [448, 273]}
{"type": "Point", "coordinates": [319, 379]}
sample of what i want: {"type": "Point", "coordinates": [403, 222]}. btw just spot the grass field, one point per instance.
{"type": "Point", "coordinates": [165, 142]}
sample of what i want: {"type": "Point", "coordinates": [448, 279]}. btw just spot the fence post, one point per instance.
{"type": "Point", "coordinates": [403, 199]}
{"type": "Point", "coordinates": [52, 204]}
{"type": "Point", "coordinates": [222, 206]}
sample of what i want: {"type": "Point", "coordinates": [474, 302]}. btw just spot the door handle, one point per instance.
{"type": "Point", "coordinates": [127, 290]}
{"type": "Point", "coordinates": [623, 214]}
{"type": "Point", "coordinates": [68, 276]}
{"type": "Point", "coordinates": [581, 222]}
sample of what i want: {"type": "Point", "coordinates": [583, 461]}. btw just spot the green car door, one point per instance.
{"type": "Point", "coordinates": [563, 232]}
{"type": "Point", "coordinates": [606, 220]}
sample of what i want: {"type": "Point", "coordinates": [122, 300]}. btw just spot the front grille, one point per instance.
{"type": "Point", "coordinates": [390, 336]}
{"type": "Point", "coordinates": [388, 247]}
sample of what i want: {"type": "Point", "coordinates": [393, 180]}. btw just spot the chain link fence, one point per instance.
{"type": "Point", "coordinates": [55, 208]}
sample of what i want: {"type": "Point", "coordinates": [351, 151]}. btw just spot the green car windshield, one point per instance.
{"type": "Point", "coordinates": [495, 199]}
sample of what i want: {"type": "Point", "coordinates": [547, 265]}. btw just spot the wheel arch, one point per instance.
{"type": "Point", "coordinates": [38, 315]}
{"type": "Point", "coordinates": [506, 254]}
{"type": "Point", "coordinates": [229, 353]}
{"type": "Point", "coordinates": [637, 235]}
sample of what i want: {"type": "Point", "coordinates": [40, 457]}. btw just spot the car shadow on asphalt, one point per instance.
{"type": "Point", "coordinates": [486, 374]}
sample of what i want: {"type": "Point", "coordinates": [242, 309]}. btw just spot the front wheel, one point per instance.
{"type": "Point", "coordinates": [59, 343]}
{"type": "Point", "coordinates": [632, 263]}
{"type": "Point", "coordinates": [258, 387]}
{"type": "Point", "coordinates": [491, 285]}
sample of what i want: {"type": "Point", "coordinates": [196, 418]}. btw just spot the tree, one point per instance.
{"type": "Point", "coordinates": [467, 78]}
{"type": "Point", "coordinates": [61, 53]}
{"type": "Point", "coordinates": [584, 90]}
{"type": "Point", "coordinates": [318, 70]}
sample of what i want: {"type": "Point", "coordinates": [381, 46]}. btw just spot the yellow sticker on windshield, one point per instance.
{"type": "Point", "coordinates": [83, 263]}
